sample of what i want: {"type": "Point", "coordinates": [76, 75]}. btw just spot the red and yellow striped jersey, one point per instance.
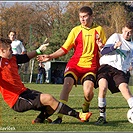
{"type": "Point", "coordinates": [83, 40]}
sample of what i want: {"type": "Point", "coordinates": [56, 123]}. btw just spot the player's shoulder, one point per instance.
{"type": "Point", "coordinates": [76, 29]}
{"type": "Point", "coordinates": [17, 41]}
{"type": "Point", "coordinates": [116, 35]}
{"type": "Point", "coordinates": [97, 27]}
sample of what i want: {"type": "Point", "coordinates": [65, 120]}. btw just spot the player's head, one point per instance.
{"type": "Point", "coordinates": [5, 48]}
{"type": "Point", "coordinates": [12, 35]}
{"type": "Point", "coordinates": [127, 30]}
{"type": "Point", "coordinates": [86, 16]}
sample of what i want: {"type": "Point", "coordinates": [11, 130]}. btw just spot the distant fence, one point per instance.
{"type": "Point", "coordinates": [26, 77]}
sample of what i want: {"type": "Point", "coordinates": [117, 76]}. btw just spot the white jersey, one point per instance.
{"type": "Point", "coordinates": [17, 47]}
{"type": "Point", "coordinates": [116, 59]}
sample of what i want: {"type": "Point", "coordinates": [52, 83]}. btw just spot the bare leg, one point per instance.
{"type": "Point", "coordinates": [103, 86]}
{"type": "Point", "coordinates": [123, 87]}
{"type": "Point", "coordinates": [88, 87]}
{"type": "Point", "coordinates": [67, 87]}
{"type": "Point", "coordinates": [58, 107]}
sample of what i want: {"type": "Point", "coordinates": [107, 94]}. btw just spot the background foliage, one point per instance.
{"type": "Point", "coordinates": [34, 21]}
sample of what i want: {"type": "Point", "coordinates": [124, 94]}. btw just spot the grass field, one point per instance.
{"type": "Point", "coordinates": [116, 113]}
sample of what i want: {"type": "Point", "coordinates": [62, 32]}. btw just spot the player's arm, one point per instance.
{"type": "Point", "coordinates": [43, 58]}
{"type": "Point", "coordinates": [112, 47]}
{"type": "Point", "coordinates": [23, 58]}
{"type": "Point", "coordinates": [38, 51]}
{"type": "Point", "coordinates": [99, 43]}
{"type": "Point", "coordinates": [100, 38]}
{"type": "Point", "coordinates": [60, 52]}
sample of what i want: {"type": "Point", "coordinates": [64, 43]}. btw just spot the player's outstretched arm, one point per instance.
{"type": "Point", "coordinates": [43, 58]}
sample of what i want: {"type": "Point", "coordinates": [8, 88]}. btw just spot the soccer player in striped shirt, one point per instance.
{"type": "Point", "coordinates": [84, 63]}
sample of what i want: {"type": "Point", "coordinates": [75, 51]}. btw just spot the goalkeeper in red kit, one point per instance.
{"type": "Point", "coordinates": [21, 99]}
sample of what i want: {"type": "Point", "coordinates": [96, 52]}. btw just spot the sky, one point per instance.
{"type": "Point", "coordinates": [10, 3]}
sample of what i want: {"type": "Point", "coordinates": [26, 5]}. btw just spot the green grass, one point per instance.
{"type": "Point", "coordinates": [117, 108]}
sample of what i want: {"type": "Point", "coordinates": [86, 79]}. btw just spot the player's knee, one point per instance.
{"type": "Point", "coordinates": [46, 99]}
{"type": "Point", "coordinates": [103, 84]}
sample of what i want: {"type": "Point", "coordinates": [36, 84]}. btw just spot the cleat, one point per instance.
{"type": "Point", "coordinates": [57, 121]}
{"type": "Point", "coordinates": [101, 121]}
{"type": "Point", "coordinates": [38, 120]}
{"type": "Point", "coordinates": [42, 118]}
{"type": "Point", "coordinates": [85, 109]}
{"type": "Point", "coordinates": [84, 117]}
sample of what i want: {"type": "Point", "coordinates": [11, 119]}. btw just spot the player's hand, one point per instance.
{"type": "Point", "coordinates": [117, 44]}
{"type": "Point", "coordinates": [99, 43]}
{"type": "Point", "coordinates": [43, 47]}
{"type": "Point", "coordinates": [43, 58]}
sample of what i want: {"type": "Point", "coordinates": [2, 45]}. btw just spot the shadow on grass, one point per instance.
{"type": "Point", "coordinates": [110, 123]}
{"type": "Point", "coordinates": [112, 107]}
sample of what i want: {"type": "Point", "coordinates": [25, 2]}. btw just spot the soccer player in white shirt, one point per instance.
{"type": "Point", "coordinates": [17, 45]}
{"type": "Point", "coordinates": [114, 65]}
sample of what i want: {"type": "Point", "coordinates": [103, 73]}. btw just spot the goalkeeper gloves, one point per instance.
{"type": "Point", "coordinates": [43, 47]}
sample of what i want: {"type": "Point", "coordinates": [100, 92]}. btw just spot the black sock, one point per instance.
{"type": "Point", "coordinates": [66, 110]}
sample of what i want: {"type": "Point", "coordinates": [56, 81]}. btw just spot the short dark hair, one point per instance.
{"type": "Point", "coordinates": [86, 9]}
{"type": "Point", "coordinates": [129, 24]}
{"type": "Point", "coordinates": [12, 31]}
{"type": "Point", "coordinates": [5, 42]}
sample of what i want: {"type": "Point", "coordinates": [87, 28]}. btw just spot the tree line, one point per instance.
{"type": "Point", "coordinates": [35, 21]}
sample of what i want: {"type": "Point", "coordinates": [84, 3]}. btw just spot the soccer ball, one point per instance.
{"type": "Point", "coordinates": [130, 115]}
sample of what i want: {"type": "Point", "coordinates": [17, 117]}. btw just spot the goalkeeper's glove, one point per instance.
{"type": "Point", "coordinates": [42, 48]}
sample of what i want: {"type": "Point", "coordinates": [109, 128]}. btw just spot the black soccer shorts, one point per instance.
{"type": "Point", "coordinates": [29, 100]}
{"type": "Point", "coordinates": [114, 77]}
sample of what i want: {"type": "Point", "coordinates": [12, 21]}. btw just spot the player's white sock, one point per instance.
{"type": "Point", "coordinates": [130, 102]}
{"type": "Point", "coordinates": [102, 106]}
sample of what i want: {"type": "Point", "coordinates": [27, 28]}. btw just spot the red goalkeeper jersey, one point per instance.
{"type": "Point", "coordinates": [10, 82]}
